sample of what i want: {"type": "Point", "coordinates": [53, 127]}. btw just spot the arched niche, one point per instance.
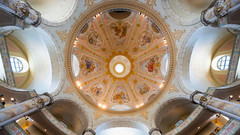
{"type": "Point", "coordinates": [19, 59]}
{"type": "Point", "coordinates": [172, 113]}
{"type": "Point", "coordinates": [121, 127]}
{"type": "Point", "coordinates": [189, 8]}
{"type": "Point", "coordinates": [54, 11]}
{"type": "Point", "coordinates": [43, 60]}
{"type": "Point", "coordinates": [70, 115]}
{"type": "Point", "coordinates": [198, 53]}
{"type": "Point", "coordinates": [221, 59]}
{"type": "Point", "coordinates": [186, 12]}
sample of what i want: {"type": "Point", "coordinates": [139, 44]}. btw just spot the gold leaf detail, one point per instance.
{"type": "Point", "coordinates": [151, 3]}
{"type": "Point", "coordinates": [177, 34]}
{"type": "Point", "coordinates": [144, 114]}
{"type": "Point", "coordinates": [97, 115]}
{"type": "Point", "coordinates": [173, 89]}
{"type": "Point", "coordinates": [62, 35]}
{"type": "Point", "coordinates": [89, 3]}
{"type": "Point", "coordinates": [68, 90]}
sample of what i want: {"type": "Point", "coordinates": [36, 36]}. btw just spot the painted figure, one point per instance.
{"type": "Point", "coordinates": [150, 65]}
{"type": "Point", "coordinates": [143, 89]}
{"type": "Point", "coordinates": [87, 66]}
{"type": "Point", "coordinates": [153, 65]}
{"type": "Point", "coordinates": [144, 39]}
{"type": "Point", "coordinates": [95, 40]}
{"type": "Point", "coordinates": [97, 90]}
{"type": "Point", "coordinates": [120, 96]}
{"type": "Point", "coordinates": [119, 31]}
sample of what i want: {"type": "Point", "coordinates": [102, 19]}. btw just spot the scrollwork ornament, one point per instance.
{"type": "Point", "coordinates": [204, 100]}
{"type": "Point", "coordinates": [38, 102]}
{"type": "Point", "coordinates": [221, 8]}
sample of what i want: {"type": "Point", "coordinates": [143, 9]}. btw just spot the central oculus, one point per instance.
{"type": "Point", "coordinates": [120, 66]}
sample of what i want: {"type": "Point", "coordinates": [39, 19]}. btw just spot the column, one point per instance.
{"type": "Point", "coordinates": [155, 131]}
{"type": "Point", "coordinates": [6, 61]}
{"type": "Point", "coordinates": [89, 132]}
{"type": "Point", "coordinates": [224, 107]}
{"type": "Point", "coordinates": [17, 111]}
{"type": "Point", "coordinates": [219, 9]}
{"type": "Point", "coordinates": [23, 10]}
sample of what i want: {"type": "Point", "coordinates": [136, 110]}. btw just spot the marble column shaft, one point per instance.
{"type": "Point", "coordinates": [17, 111]}
{"type": "Point", "coordinates": [224, 107]}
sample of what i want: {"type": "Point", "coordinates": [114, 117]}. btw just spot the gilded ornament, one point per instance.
{"type": "Point", "coordinates": [97, 115]}
{"type": "Point", "coordinates": [172, 89]}
{"type": "Point", "coordinates": [144, 114]}
{"type": "Point", "coordinates": [89, 3]}
{"type": "Point", "coordinates": [62, 35]}
{"type": "Point", "coordinates": [177, 34]}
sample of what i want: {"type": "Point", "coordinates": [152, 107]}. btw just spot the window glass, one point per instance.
{"type": "Point", "coordinates": [178, 123]}
{"type": "Point", "coordinates": [16, 64]}
{"type": "Point", "coordinates": [223, 62]}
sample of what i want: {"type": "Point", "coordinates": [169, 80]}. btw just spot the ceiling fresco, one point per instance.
{"type": "Point", "coordinates": [120, 60]}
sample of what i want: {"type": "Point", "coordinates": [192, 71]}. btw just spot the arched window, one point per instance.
{"type": "Point", "coordinates": [16, 64]}
{"type": "Point", "coordinates": [223, 62]}
{"type": "Point", "coordinates": [178, 123]}
{"type": "Point", "coordinates": [76, 65]}
{"type": "Point", "coordinates": [19, 65]}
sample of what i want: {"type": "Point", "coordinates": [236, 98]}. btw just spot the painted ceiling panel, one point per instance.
{"type": "Point", "coordinates": [120, 56]}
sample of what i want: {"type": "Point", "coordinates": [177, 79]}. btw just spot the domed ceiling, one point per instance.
{"type": "Point", "coordinates": [120, 60]}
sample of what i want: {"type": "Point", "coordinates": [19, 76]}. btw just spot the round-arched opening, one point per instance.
{"type": "Point", "coordinates": [119, 54]}
{"type": "Point", "coordinates": [221, 60]}
{"type": "Point", "coordinates": [172, 113]}
{"type": "Point", "coordinates": [18, 64]}
{"type": "Point", "coordinates": [76, 67]}
{"type": "Point", "coordinates": [122, 128]}
{"type": "Point", "coordinates": [165, 64]}
{"type": "Point", "coordinates": [19, 60]}
{"type": "Point", "coordinates": [42, 59]}
{"type": "Point", "coordinates": [197, 60]}
{"type": "Point", "coordinates": [69, 115]}
{"type": "Point", "coordinates": [54, 11]}
{"type": "Point", "coordinates": [120, 14]}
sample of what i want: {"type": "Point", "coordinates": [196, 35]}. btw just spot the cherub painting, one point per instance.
{"type": "Point", "coordinates": [152, 65]}
{"type": "Point", "coordinates": [95, 40]}
{"type": "Point", "coordinates": [97, 90]}
{"type": "Point", "coordinates": [120, 96]}
{"type": "Point", "coordinates": [87, 66]}
{"type": "Point", "coordinates": [144, 39]}
{"type": "Point", "coordinates": [119, 31]}
{"type": "Point", "coordinates": [143, 88]}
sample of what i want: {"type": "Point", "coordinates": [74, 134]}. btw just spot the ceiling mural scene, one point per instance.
{"type": "Point", "coordinates": [122, 58]}
{"type": "Point", "coordinates": [110, 67]}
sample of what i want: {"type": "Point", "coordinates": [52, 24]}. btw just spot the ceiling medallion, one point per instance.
{"type": "Point", "coordinates": [119, 65]}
